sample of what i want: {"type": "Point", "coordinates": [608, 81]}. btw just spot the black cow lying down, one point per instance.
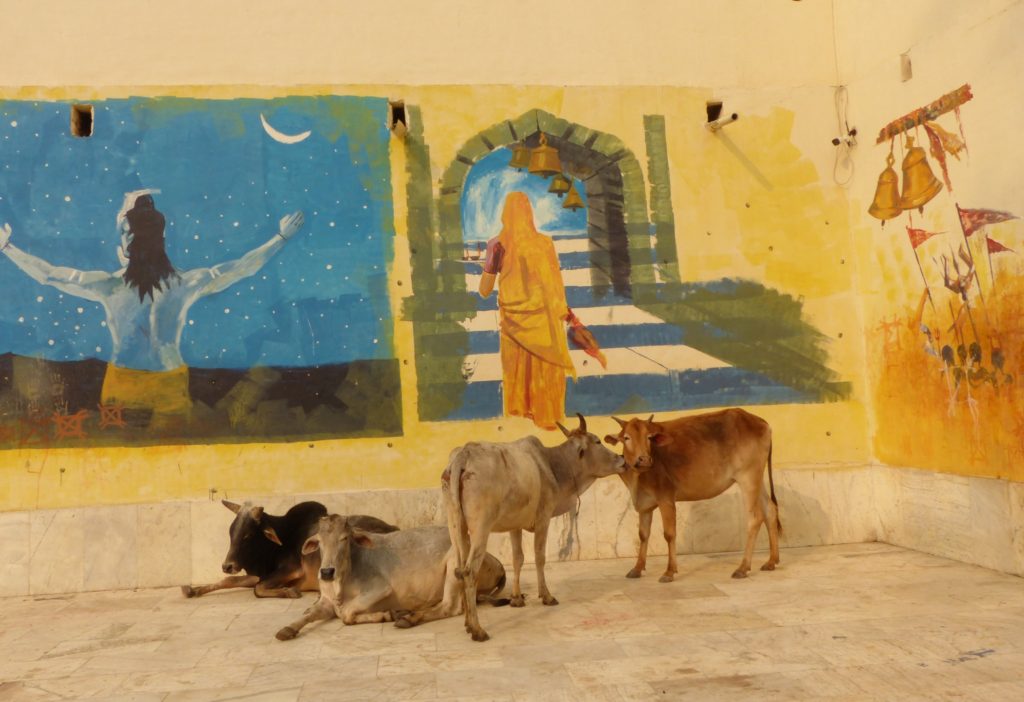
{"type": "Point", "coordinates": [269, 549]}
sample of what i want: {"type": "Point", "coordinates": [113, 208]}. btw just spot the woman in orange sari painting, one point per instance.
{"type": "Point", "coordinates": [531, 301]}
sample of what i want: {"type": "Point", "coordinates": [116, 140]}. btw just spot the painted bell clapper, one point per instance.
{"type": "Point", "coordinates": [544, 159]}
{"type": "Point", "coordinates": [919, 183]}
{"type": "Point", "coordinates": [886, 204]}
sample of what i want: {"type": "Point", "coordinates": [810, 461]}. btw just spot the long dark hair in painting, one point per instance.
{"type": "Point", "coordinates": [148, 265]}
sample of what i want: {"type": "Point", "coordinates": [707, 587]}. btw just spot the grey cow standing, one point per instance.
{"type": "Point", "coordinates": [492, 487]}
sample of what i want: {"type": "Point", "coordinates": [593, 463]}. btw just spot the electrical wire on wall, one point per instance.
{"type": "Point", "coordinates": [843, 169]}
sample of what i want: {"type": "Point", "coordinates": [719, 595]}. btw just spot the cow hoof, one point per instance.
{"type": "Point", "coordinates": [768, 566]}
{"type": "Point", "coordinates": [634, 573]}
{"type": "Point", "coordinates": [517, 601]}
{"type": "Point", "coordinates": [403, 623]}
{"type": "Point", "coordinates": [188, 591]}
{"type": "Point", "coordinates": [739, 574]}
{"type": "Point", "coordinates": [666, 578]}
{"type": "Point", "coordinates": [550, 601]}
{"type": "Point", "coordinates": [286, 634]}
{"type": "Point", "coordinates": [480, 635]}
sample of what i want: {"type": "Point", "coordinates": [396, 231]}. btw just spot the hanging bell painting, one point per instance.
{"type": "Point", "coordinates": [573, 201]}
{"type": "Point", "coordinates": [520, 157]}
{"type": "Point", "coordinates": [886, 204]}
{"type": "Point", "coordinates": [919, 183]}
{"type": "Point", "coordinates": [559, 185]}
{"type": "Point", "coordinates": [544, 159]}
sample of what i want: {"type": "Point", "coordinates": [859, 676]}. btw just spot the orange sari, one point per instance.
{"type": "Point", "coordinates": [531, 300]}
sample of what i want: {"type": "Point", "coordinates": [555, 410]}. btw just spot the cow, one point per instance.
{"type": "Point", "coordinates": [697, 458]}
{"type": "Point", "coordinates": [400, 577]}
{"type": "Point", "coordinates": [496, 487]}
{"type": "Point", "coordinates": [268, 549]}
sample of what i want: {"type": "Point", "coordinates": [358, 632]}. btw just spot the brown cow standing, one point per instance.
{"type": "Point", "coordinates": [697, 458]}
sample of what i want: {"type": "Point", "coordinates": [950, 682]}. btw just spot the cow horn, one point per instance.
{"type": "Point", "coordinates": [621, 422]}
{"type": "Point", "coordinates": [564, 430]}
{"type": "Point", "coordinates": [650, 419]}
{"type": "Point", "coordinates": [583, 423]}
{"type": "Point", "coordinates": [231, 505]}
{"type": "Point", "coordinates": [257, 513]}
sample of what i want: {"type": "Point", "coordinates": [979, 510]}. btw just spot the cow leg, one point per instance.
{"type": "Point", "coordinates": [516, 536]}
{"type": "Point", "coordinates": [772, 521]}
{"type": "Point", "coordinates": [540, 541]}
{"type": "Point", "coordinates": [323, 609]}
{"type": "Point", "coordinates": [645, 534]}
{"type": "Point", "coordinates": [668, 524]}
{"type": "Point", "coordinates": [449, 606]}
{"type": "Point", "coordinates": [281, 584]}
{"type": "Point", "coordinates": [469, 576]}
{"type": "Point", "coordinates": [755, 517]}
{"type": "Point", "coordinates": [360, 609]}
{"type": "Point", "coordinates": [228, 582]}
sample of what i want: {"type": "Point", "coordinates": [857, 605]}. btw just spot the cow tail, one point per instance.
{"type": "Point", "coordinates": [491, 597]}
{"type": "Point", "coordinates": [457, 517]}
{"type": "Point", "coordinates": [771, 488]}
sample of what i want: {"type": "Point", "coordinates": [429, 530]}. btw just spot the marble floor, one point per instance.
{"type": "Point", "coordinates": [857, 622]}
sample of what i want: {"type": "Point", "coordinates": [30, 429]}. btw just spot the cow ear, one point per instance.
{"type": "Point", "coordinates": [660, 439]}
{"type": "Point", "coordinates": [272, 535]}
{"type": "Point", "coordinates": [231, 505]}
{"type": "Point", "coordinates": [312, 545]}
{"type": "Point", "coordinates": [363, 539]}
{"type": "Point", "coordinates": [611, 440]}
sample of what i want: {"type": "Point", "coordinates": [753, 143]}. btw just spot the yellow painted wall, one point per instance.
{"type": "Point", "coordinates": [754, 192]}
{"type": "Point", "coordinates": [763, 187]}
{"type": "Point", "coordinates": [912, 424]}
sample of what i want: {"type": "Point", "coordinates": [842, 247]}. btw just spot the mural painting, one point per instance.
{"type": "Point", "coordinates": [583, 255]}
{"type": "Point", "coordinates": [952, 359]}
{"type": "Point", "coordinates": [195, 270]}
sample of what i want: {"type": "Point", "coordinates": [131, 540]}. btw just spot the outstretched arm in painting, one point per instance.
{"type": "Point", "coordinates": [224, 275]}
{"type": "Point", "coordinates": [91, 285]}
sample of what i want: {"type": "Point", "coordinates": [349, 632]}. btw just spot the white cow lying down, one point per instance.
{"type": "Point", "coordinates": [366, 577]}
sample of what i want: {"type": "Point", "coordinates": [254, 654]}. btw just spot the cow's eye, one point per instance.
{"type": "Point", "coordinates": [625, 439]}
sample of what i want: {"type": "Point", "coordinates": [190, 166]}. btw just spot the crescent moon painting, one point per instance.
{"type": "Point", "coordinates": [281, 136]}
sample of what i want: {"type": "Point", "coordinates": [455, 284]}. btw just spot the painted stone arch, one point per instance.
{"type": "Point", "coordinates": [621, 254]}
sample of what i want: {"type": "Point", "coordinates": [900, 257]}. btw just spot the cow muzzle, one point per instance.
{"type": "Point", "coordinates": [327, 574]}
{"type": "Point", "coordinates": [643, 463]}
{"type": "Point", "coordinates": [231, 568]}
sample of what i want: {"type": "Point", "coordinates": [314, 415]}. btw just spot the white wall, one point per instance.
{"type": "Point", "coordinates": [573, 42]}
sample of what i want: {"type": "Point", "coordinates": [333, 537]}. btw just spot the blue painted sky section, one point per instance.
{"type": "Point", "coordinates": [491, 179]}
{"type": "Point", "coordinates": [225, 184]}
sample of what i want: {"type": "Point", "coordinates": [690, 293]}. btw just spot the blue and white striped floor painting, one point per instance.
{"type": "Point", "coordinates": [650, 367]}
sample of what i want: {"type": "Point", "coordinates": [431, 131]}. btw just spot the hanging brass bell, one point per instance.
{"type": "Point", "coordinates": [520, 157]}
{"type": "Point", "coordinates": [544, 159]}
{"type": "Point", "coordinates": [919, 183]}
{"type": "Point", "coordinates": [559, 185]}
{"type": "Point", "coordinates": [573, 201]}
{"type": "Point", "coordinates": [886, 204]}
